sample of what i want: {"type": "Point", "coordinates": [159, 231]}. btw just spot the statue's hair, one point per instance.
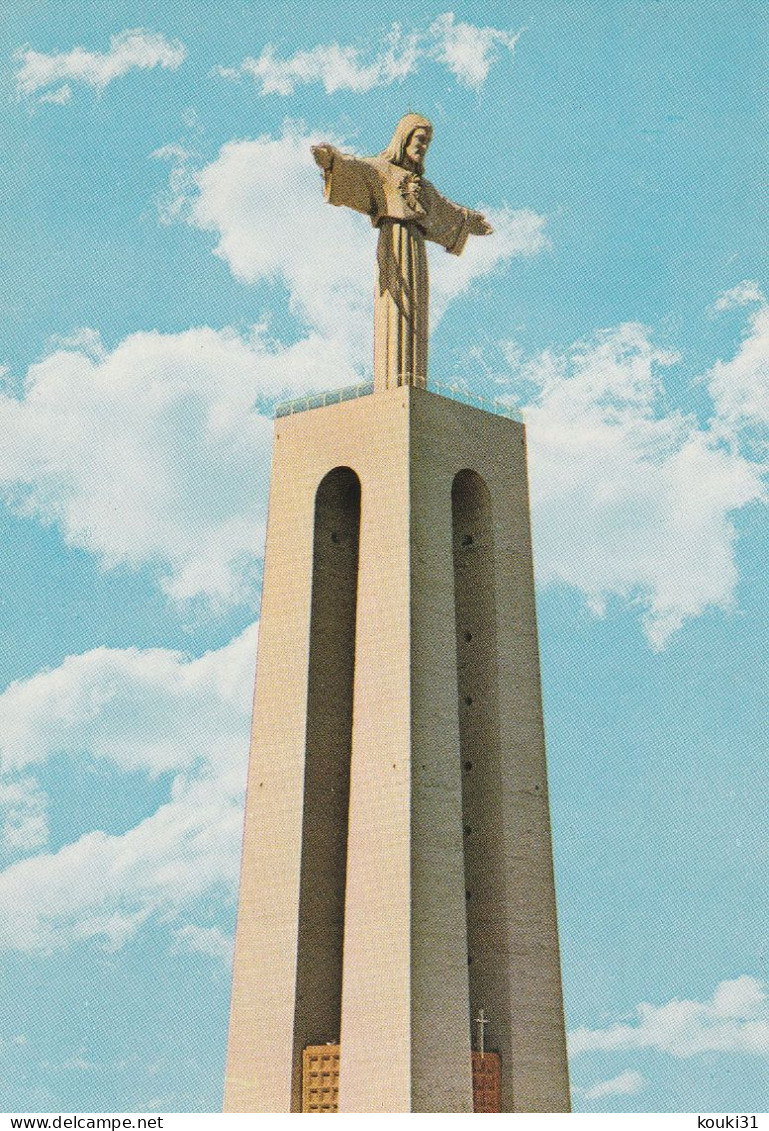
{"type": "Point", "coordinates": [396, 150]}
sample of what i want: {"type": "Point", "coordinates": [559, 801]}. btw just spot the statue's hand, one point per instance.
{"type": "Point", "coordinates": [323, 154]}
{"type": "Point", "coordinates": [478, 224]}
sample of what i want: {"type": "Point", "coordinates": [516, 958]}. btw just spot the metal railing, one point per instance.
{"type": "Point", "coordinates": [318, 400]}
{"type": "Point", "coordinates": [495, 405]}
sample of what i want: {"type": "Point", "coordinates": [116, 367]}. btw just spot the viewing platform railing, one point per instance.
{"type": "Point", "coordinates": [494, 405]}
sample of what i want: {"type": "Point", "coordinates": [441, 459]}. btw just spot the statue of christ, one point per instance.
{"type": "Point", "coordinates": [407, 209]}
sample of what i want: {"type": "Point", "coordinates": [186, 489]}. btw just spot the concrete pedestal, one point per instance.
{"type": "Point", "coordinates": [397, 869]}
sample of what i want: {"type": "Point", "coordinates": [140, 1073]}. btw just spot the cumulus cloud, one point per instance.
{"type": "Point", "coordinates": [518, 232]}
{"type": "Point", "coordinates": [153, 453]}
{"type": "Point", "coordinates": [630, 501]}
{"type": "Point", "coordinates": [57, 97]}
{"type": "Point", "coordinates": [743, 294]}
{"type": "Point", "coordinates": [106, 887]}
{"type": "Point", "coordinates": [135, 49]}
{"type": "Point", "coordinates": [334, 66]}
{"type": "Point", "coordinates": [626, 1084]}
{"type": "Point", "coordinates": [739, 386]}
{"type": "Point", "coordinates": [263, 201]}
{"type": "Point", "coordinates": [204, 940]}
{"type": "Point", "coordinates": [24, 816]}
{"type": "Point", "coordinates": [466, 50]}
{"type": "Point", "coordinates": [735, 1020]}
{"type": "Point", "coordinates": [160, 712]}
{"type": "Point", "coordinates": [151, 710]}
{"type": "Point", "coordinates": [469, 51]}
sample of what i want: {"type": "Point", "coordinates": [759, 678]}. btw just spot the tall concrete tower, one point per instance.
{"type": "Point", "coordinates": [397, 878]}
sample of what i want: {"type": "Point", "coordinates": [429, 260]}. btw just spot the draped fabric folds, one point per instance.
{"type": "Point", "coordinates": [408, 210]}
{"type": "Point", "coordinates": [400, 306]}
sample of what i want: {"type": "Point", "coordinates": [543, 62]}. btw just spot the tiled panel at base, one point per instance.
{"type": "Point", "coordinates": [320, 1078]}
{"type": "Point", "coordinates": [487, 1079]}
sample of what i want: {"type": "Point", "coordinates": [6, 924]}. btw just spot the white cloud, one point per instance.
{"type": "Point", "coordinates": [152, 710]}
{"type": "Point", "coordinates": [156, 711]}
{"type": "Point", "coordinates": [517, 232]}
{"type": "Point", "coordinates": [743, 294]}
{"type": "Point", "coordinates": [739, 387]}
{"type": "Point", "coordinates": [626, 1084]}
{"type": "Point", "coordinates": [630, 501]}
{"type": "Point", "coordinates": [105, 887]}
{"type": "Point", "coordinates": [129, 50]}
{"type": "Point", "coordinates": [24, 817]}
{"type": "Point", "coordinates": [735, 1020]}
{"type": "Point", "coordinates": [58, 97]}
{"type": "Point", "coordinates": [467, 51]}
{"type": "Point", "coordinates": [335, 67]}
{"type": "Point", "coordinates": [153, 453]}
{"type": "Point", "coordinates": [263, 200]}
{"type": "Point", "coordinates": [204, 940]}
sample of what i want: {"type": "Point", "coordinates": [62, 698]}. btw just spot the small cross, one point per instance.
{"type": "Point", "coordinates": [481, 1021]}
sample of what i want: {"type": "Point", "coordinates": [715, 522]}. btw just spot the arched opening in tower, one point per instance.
{"type": "Point", "coordinates": [488, 946]}
{"type": "Point", "coordinates": [317, 1014]}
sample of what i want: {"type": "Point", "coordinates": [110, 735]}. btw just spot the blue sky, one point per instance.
{"type": "Point", "coordinates": [164, 279]}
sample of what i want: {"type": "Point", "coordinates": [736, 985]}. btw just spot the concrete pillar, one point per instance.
{"type": "Point", "coordinates": [436, 922]}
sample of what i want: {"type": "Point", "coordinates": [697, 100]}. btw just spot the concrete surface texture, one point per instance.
{"type": "Point", "coordinates": [397, 870]}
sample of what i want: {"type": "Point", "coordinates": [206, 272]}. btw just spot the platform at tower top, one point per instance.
{"type": "Point", "coordinates": [495, 405]}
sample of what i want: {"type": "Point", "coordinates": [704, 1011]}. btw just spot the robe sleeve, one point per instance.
{"type": "Point", "coordinates": [446, 223]}
{"type": "Point", "coordinates": [353, 183]}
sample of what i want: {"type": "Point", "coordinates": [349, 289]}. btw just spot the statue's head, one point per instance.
{"type": "Point", "coordinates": [409, 142]}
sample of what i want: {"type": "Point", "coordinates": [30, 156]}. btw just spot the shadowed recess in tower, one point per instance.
{"type": "Point", "coordinates": [317, 1014]}
{"type": "Point", "coordinates": [479, 744]}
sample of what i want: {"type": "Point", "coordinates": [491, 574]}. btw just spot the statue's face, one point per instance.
{"type": "Point", "coordinates": [417, 145]}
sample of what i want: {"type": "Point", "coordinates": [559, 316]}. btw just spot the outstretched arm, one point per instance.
{"type": "Point", "coordinates": [450, 224]}
{"type": "Point", "coordinates": [324, 154]}
{"type": "Point", "coordinates": [346, 180]}
{"type": "Point", "coordinates": [477, 224]}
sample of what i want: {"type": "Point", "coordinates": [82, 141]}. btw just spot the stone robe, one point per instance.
{"type": "Point", "coordinates": [407, 210]}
